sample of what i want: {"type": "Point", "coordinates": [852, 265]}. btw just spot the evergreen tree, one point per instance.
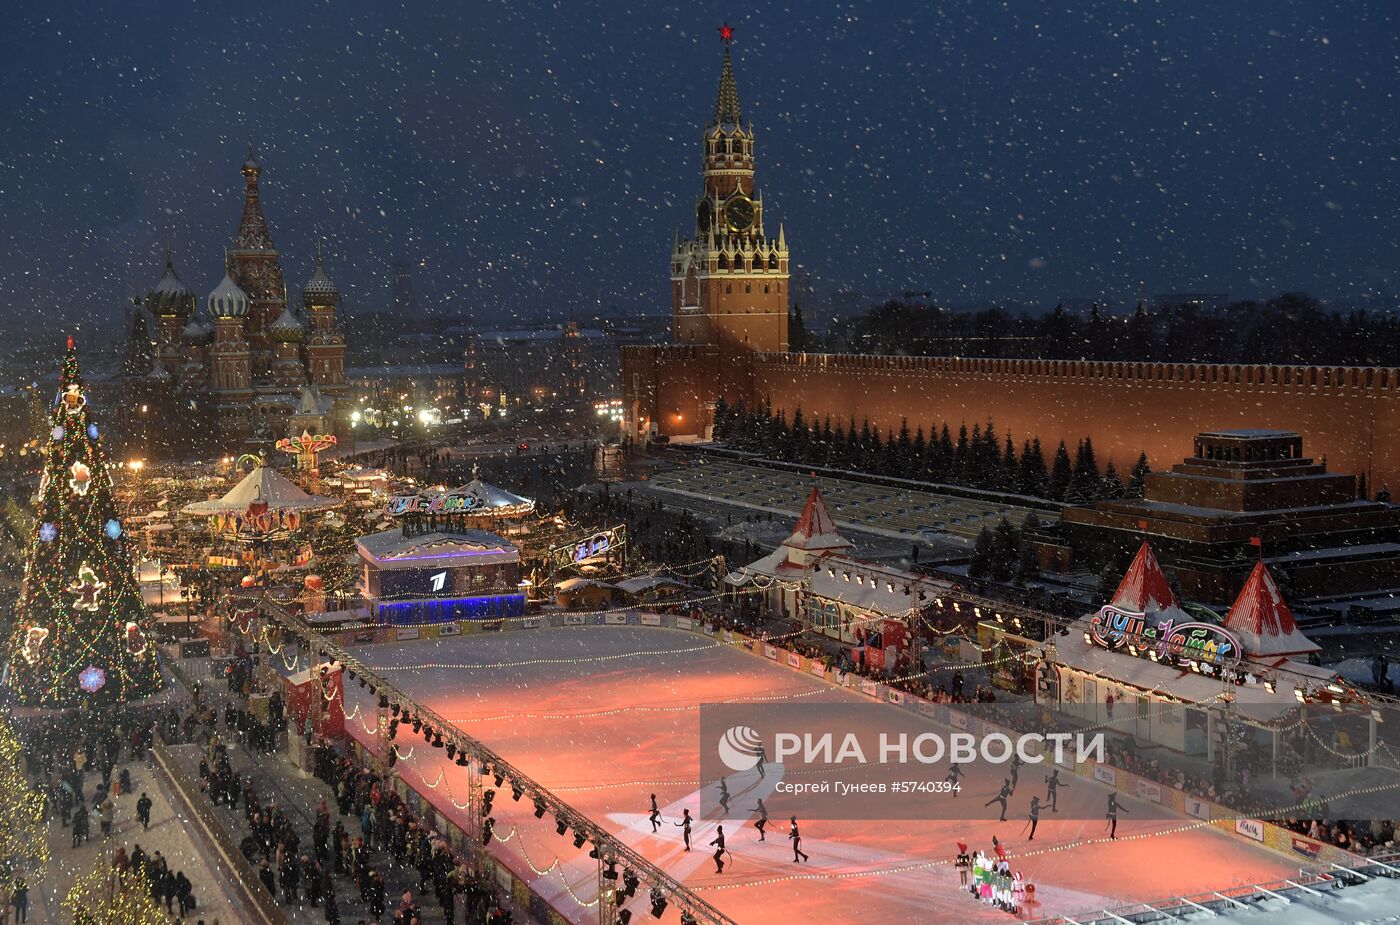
{"type": "Point", "coordinates": [850, 447]}
{"type": "Point", "coordinates": [1137, 477]}
{"type": "Point", "coordinates": [962, 464]}
{"type": "Point", "coordinates": [82, 632]}
{"type": "Point", "coordinates": [981, 564]}
{"type": "Point", "coordinates": [867, 444]}
{"type": "Point", "coordinates": [828, 439]}
{"type": "Point", "coordinates": [801, 439]}
{"type": "Point", "coordinates": [723, 418]}
{"type": "Point", "coordinates": [1061, 473]}
{"type": "Point", "coordinates": [1111, 486]}
{"type": "Point", "coordinates": [1032, 476]}
{"type": "Point", "coordinates": [1004, 551]}
{"type": "Point", "coordinates": [943, 457]}
{"type": "Point", "coordinates": [1085, 481]}
{"type": "Point", "coordinates": [918, 466]}
{"type": "Point", "coordinates": [904, 451]}
{"type": "Point", "coordinates": [1007, 480]}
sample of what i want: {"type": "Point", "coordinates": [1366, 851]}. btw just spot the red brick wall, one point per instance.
{"type": "Point", "coordinates": [1349, 415]}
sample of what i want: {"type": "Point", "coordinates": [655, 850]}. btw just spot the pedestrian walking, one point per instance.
{"type": "Point", "coordinates": [143, 811]}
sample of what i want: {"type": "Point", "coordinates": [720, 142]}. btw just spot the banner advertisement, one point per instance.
{"type": "Point", "coordinates": [406, 632]}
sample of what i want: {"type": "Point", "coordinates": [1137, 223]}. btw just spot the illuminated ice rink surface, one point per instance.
{"type": "Point", "coordinates": [604, 716]}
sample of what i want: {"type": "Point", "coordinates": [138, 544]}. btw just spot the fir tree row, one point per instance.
{"type": "Point", "coordinates": [979, 458]}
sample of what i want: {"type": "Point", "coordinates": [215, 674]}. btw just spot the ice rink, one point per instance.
{"type": "Point", "coordinates": [605, 716]}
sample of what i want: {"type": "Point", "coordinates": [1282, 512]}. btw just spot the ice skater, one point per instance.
{"type": "Point", "coordinates": [955, 772]}
{"type": "Point", "coordinates": [1035, 816]}
{"type": "Point", "coordinates": [724, 796]}
{"type": "Point", "coordinates": [762, 818]}
{"type": "Point", "coordinates": [1052, 790]}
{"type": "Point", "coordinates": [762, 757]}
{"type": "Point", "coordinates": [796, 837]}
{"type": "Point", "coordinates": [655, 817]}
{"type": "Point", "coordinates": [685, 827]}
{"type": "Point", "coordinates": [1001, 798]}
{"type": "Point", "coordinates": [1016, 763]}
{"type": "Point", "coordinates": [963, 863]}
{"type": "Point", "coordinates": [719, 850]}
{"type": "Point", "coordinates": [1113, 809]}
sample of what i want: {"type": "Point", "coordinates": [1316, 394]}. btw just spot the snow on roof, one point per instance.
{"type": "Point", "coordinates": [391, 549]}
{"type": "Point", "coordinates": [1260, 617]}
{"type": "Point", "coordinates": [1144, 587]}
{"type": "Point", "coordinates": [573, 584]}
{"type": "Point", "coordinates": [647, 583]}
{"type": "Point", "coordinates": [815, 528]}
{"type": "Point", "coordinates": [865, 586]}
{"type": "Point", "coordinates": [263, 485]}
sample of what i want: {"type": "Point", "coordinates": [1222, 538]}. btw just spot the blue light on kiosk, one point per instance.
{"type": "Point", "coordinates": [450, 609]}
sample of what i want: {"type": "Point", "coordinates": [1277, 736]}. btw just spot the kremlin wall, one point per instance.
{"type": "Point", "coordinates": [1349, 416]}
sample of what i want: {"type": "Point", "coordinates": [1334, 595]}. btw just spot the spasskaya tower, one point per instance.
{"type": "Point", "coordinates": [729, 283]}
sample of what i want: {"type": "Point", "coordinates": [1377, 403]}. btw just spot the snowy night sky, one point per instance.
{"type": "Point", "coordinates": [537, 157]}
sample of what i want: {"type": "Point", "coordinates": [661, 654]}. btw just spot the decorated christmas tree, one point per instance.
{"type": "Point", "coordinates": [82, 632]}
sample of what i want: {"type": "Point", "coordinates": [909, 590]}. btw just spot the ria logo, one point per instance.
{"type": "Point", "coordinates": [740, 748]}
{"type": "Point", "coordinates": [439, 581]}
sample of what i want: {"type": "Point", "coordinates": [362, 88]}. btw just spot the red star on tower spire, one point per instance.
{"type": "Point", "coordinates": [726, 33]}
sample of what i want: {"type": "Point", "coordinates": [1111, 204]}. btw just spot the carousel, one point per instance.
{"type": "Point", "coordinates": [260, 525]}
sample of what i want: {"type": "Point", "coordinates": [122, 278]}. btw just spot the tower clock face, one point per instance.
{"type": "Point", "coordinates": [738, 213]}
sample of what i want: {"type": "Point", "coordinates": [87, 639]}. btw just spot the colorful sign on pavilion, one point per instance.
{"type": "Point", "coordinates": [1166, 640]}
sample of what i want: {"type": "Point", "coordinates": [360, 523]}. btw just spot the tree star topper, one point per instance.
{"type": "Point", "coordinates": [88, 588]}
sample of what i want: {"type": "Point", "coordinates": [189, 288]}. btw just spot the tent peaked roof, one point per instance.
{"type": "Point", "coordinates": [1260, 617]}
{"type": "Point", "coordinates": [1144, 588]}
{"type": "Point", "coordinates": [815, 528]}
{"type": "Point", "coordinates": [263, 485]}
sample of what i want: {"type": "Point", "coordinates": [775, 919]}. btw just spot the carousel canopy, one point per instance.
{"type": "Point", "coordinates": [264, 485]}
{"type": "Point", "coordinates": [494, 499]}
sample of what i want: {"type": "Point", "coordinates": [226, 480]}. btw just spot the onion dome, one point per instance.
{"type": "Point", "coordinates": [320, 289]}
{"type": "Point", "coordinates": [286, 329]}
{"type": "Point", "coordinates": [196, 331]}
{"type": "Point", "coordinates": [227, 300]}
{"type": "Point", "coordinates": [170, 296]}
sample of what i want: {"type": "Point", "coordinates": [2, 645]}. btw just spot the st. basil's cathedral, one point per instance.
{"type": "Point", "coordinates": [249, 369]}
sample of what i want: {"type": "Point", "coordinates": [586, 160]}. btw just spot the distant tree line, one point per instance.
{"type": "Point", "coordinates": [1289, 329]}
{"type": "Point", "coordinates": [975, 459]}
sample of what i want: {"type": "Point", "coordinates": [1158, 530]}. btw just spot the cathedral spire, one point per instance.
{"type": "Point", "coordinates": [252, 229]}
{"type": "Point", "coordinates": [727, 101]}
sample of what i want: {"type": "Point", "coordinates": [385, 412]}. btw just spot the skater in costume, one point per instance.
{"type": "Point", "coordinates": [1001, 798]}
{"type": "Point", "coordinates": [1052, 790]}
{"type": "Point", "coordinates": [685, 827]}
{"type": "Point", "coordinates": [796, 837]}
{"type": "Point", "coordinates": [762, 819]}
{"type": "Point", "coordinates": [1113, 809]}
{"type": "Point", "coordinates": [655, 815]}
{"type": "Point", "coordinates": [1035, 816]}
{"type": "Point", "coordinates": [719, 850]}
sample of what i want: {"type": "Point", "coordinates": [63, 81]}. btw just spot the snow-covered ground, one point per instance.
{"type": "Point", "coordinates": [604, 731]}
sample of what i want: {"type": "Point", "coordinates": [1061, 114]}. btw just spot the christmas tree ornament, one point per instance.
{"type": "Point", "coordinates": [82, 477]}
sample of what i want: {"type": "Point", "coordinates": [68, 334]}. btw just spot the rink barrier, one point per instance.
{"type": "Point", "coordinates": [536, 907]}
{"type": "Point", "coordinates": [245, 876]}
{"type": "Point", "coordinates": [1257, 832]}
